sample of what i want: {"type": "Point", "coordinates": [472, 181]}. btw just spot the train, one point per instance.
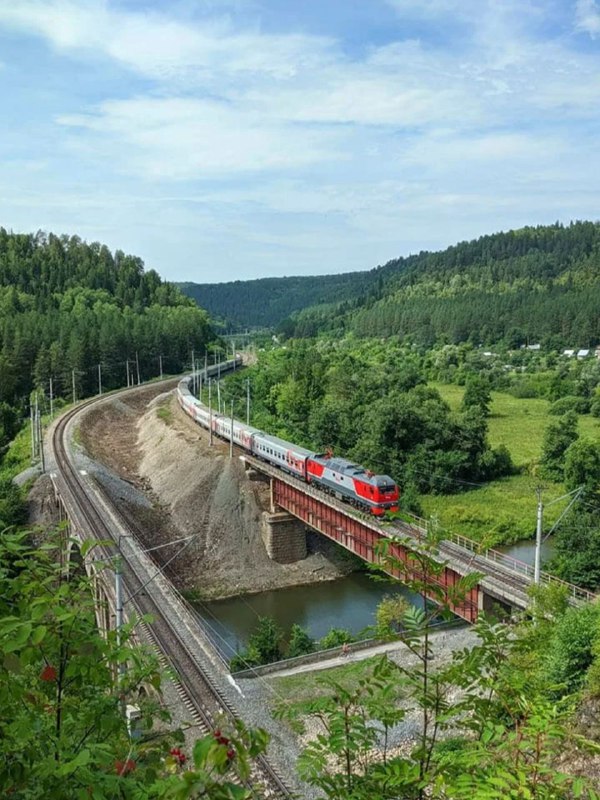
{"type": "Point", "coordinates": [375, 494]}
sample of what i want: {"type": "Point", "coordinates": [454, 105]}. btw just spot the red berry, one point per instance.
{"type": "Point", "coordinates": [230, 754]}
{"type": "Point", "coordinates": [217, 734]}
{"type": "Point", "coordinates": [123, 767]}
{"type": "Point", "coordinates": [182, 758]}
{"type": "Point", "coordinates": [48, 673]}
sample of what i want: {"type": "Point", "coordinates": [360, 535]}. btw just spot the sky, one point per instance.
{"type": "Point", "coordinates": [233, 139]}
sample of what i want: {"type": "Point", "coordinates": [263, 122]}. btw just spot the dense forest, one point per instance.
{"type": "Point", "coordinates": [524, 286]}
{"type": "Point", "coordinates": [529, 285]}
{"type": "Point", "coordinates": [265, 302]}
{"type": "Point", "coordinates": [67, 307]}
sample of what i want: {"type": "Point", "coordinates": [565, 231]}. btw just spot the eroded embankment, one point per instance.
{"type": "Point", "coordinates": [157, 466]}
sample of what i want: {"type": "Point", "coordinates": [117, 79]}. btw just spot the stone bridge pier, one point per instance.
{"type": "Point", "coordinates": [283, 534]}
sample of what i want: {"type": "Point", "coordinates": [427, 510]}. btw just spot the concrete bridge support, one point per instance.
{"type": "Point", "coordinates": [284, 537]}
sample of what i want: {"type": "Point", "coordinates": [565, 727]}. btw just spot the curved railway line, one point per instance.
{"type": "Point", "coordinates": [195, 680]}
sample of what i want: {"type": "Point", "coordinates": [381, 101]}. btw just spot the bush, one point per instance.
{"type": "Point", "coordinates": [526, 388]}
{"type": "Point", "coordinates": [12, 507]}
{"type": "Point", "coordinates": [335, 638]}
{"type": "Point", "coordinates": [389, 614]}
{"type": "Point", "coordinates": [301, 643]}
{"type": "Point", "coordinates": [409, 499]}
{"type": "Point", "coordinates": [558, 437]}
{"type": "Point", "coordinates": [496, 463]}
{"type": "Point", "coordinates": [570, 651]}
{"type": "Point", "coordinates": [595, 408]}
{"type": "Point", "coordinates": [264, 646]}
{"type": "Point", "coordinates": [581, 405]}
{"type": "Point", "coordinates": [245, 660]}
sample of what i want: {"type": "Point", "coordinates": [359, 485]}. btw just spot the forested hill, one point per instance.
{"type": "Point", "coordinates": [265, 302]}
{"type": "Point", "coordinates": [523, 285]}
{"type": "Point", "coordinates": [527, 285]}
{"type": "Point", "coordinates": [67, 306]}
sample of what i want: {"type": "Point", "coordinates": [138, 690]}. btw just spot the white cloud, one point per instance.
{"type": "Point", "coordinates": [158, 46]}
{"type": "Point", "coordinates": [179, 138]}
{"type": "Point", "coordinates": [587, 15]}
{"type": "Point", "coordinates": [289, 143]}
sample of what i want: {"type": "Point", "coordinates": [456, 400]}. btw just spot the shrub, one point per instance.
{"type": "Point", "coordinates": [335, 638]}
{"type": "Point", "coordinates": [558, 437]}
{"type": "Point", "coordinates": [581, 405]}
{"type": "Point", "coordinates": [246, 659]}
{"type": "Point", "coordinates": [570, 650]}
{"type": "Point", "coordinates": [301, 643]}
{"type": "Point", "coordinates": [389, 614]}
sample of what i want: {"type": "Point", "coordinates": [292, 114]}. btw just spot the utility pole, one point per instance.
{"type": "Point", "coordinates": [73, 384]}
{"type": "Point", "coordinates": [200, 389]}
{"type": "Point", "coordinates": [233, 352]}
{"type": "Point", "coordinates": [51, 399]}
{"type": "Point", "coordinates": [193, 372]}
{"type": "Point", "coordinates": [41, 440]}
{"type": "Point", "coordinates": [119, 614]}
{"type": "Point", "coordinates": [31, 417]}
{"type": "Point", "coordinates": [210, 439]}
{"type": "Point", "coordinates": [137, 364]}
{"type": "Point", "coordinates": [219, 394]}
{"type": "Point", "coordinates": [231, 434]}
{"type": "Point", "coordinates": [100, 379]}
{"type": "Point", "coordinates": [247, 401]}
{"type": "Point", "coordinates": [538, 536]}
{"type": "Point", "coordinates": [127, 365]}
{"type": "Point", "coordinates": [160, 366]}
{"type": "Point", "coordinates": [205, 361]}
{"type": "Point", "coordinates": [34, 427]}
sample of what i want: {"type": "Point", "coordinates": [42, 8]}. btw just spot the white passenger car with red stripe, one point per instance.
{"type": "Point", "coordinates": [337, 476]}
{"type": "Point", "coordinates": [285, 455]}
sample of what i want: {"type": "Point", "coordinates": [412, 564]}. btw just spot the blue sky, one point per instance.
{"type": "Point", "coordinates": [226, 139]}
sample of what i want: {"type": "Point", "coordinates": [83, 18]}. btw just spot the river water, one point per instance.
{"type": "Point", "coordinates": [348, 603]}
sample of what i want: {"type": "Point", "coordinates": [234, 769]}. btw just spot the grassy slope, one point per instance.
{"type": "Point", "coordinates": [18, 456]}
{"type": "Point", "coordinates": [296, 690]}
{"type": "Point", "coordinates": [505, 510]}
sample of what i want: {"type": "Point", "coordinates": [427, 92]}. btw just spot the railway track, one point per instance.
{"type": "Point", "coordinates": [498, 572]}
{"type": "Point", "coordinates": [196, 681]}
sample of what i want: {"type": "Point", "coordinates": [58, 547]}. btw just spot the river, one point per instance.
{"type": "Point", "coordinates": [348, 603]}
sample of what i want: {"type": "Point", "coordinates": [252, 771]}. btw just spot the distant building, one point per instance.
{"type": "Point", "coordinates": [597, 352]}
{"type": "Point", "coordinates": [583, 353]}
{"type": "Point", "coordinates": [531, 347]}
{"type": "Point", "coordinates": [488, 354]}
{"type": "Point", "coordinates": [568, 353]}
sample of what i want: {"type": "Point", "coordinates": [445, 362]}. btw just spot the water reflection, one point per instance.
{"type": "Point", "coordinates": [348, 603]}
{"type": "Point", "coordinates": [525, 551]}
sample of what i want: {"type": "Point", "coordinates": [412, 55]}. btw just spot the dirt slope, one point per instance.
{"type": "Point", "coordinates": [159, 468]}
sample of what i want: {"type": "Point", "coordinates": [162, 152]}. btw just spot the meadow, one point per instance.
{"type": "Point", "coordinates": [504, 511]}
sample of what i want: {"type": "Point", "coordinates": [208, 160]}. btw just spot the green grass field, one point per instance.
{"type": "Point", "coordinates": [504, 511]}
{"type": "Point", "coordinates": [296, 690]}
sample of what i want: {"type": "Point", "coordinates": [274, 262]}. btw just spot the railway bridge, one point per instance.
{"type": "Point", "coordinates": [294, 504]}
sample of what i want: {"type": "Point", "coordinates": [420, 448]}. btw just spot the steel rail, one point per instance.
{"type": "Point", "coordinates": [198, 689]}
